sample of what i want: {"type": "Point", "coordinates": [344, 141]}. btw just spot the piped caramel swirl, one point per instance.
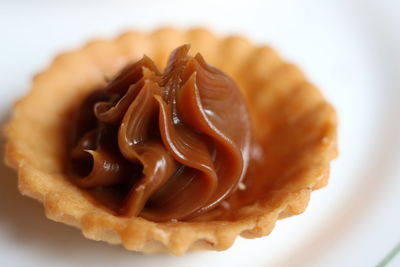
{"type": "Point", "coordinates": [163, 146]}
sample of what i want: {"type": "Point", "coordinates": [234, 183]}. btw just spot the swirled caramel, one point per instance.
{"type": "Point", "coordinates": [163, 146]}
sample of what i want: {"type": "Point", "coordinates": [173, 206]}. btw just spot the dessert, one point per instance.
{"type": "Point", "coordinates": [174, 152]}
{"type": "Point", "coordinates": [165, 146]}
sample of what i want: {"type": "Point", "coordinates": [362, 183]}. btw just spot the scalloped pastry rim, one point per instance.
{"type": "Point", "coordinates": [138, 234]}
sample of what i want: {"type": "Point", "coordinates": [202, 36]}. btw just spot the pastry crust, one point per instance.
{"type": "Point", "coordinates": [289, 112]}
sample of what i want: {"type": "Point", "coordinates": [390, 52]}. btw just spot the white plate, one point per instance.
{"type": "Point", "coordinates": [348, 48]}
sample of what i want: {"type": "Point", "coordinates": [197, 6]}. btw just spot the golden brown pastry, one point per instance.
{"type": "Point", "coordinates": [171, 158]}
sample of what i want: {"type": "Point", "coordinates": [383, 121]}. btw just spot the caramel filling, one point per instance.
{"type": "Point", "coordinates": [163, 146]}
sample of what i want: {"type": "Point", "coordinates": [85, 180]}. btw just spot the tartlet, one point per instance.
{"type": "Point", "coordinates": [290, 117]}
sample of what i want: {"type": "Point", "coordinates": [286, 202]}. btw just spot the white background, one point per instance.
{"type": "Point", "coordinates": [350, 49]}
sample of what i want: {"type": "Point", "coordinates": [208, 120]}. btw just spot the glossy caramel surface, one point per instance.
{"type": "Point", "coordinates": [164, 146]}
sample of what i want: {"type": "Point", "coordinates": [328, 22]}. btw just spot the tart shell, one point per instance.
{"type": "Point", "coordinates": [286, 109]}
